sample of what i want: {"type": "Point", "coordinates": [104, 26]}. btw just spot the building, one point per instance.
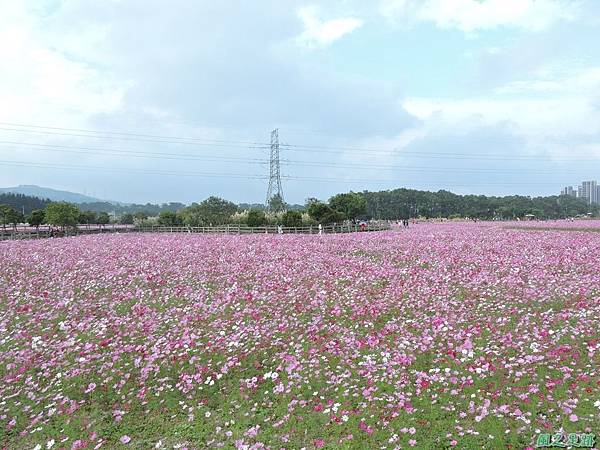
{"type": "Point", "coordinates": [569, 191]}
{"type": "Point", "coordinates": [587, 190]}
{"type": "Point", "coordinates": [590, 191]}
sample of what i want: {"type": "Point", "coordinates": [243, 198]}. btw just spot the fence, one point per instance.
{"type": "Point", "coordinates": [41, 233]}
{"type": "Point", "coordinates": [240, 229]}
{"type": "Point", "coordinates": [47, 232]}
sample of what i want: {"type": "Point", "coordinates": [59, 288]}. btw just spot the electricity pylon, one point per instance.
{"type": "Point", "coordinates": [274, 189]}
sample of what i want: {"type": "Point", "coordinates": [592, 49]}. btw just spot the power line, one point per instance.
{"type": "Point", "coordinates": [120, 138]}
{"type": "Point", "coordinates": [132, 153]}
{"type": "Point", "coordinates": [176, 156]}
{"type": "Point", "coordinates": [364, 151]}
{"type": "Point", "coordinates": [415, 168]}
{"type": "Point", "coordinates": [121, 133]}
{"type": "Point", "coordinates": [428, 155]}
{"type": "Point", "coordinates": [29, 164]}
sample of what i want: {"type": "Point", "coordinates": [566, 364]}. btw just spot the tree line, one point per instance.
{"type": "Point", "coordinates": [407, 203]}
{"type": "Point", "coordinates": [387, 205]}
{"type": "Point", "coordinates": [23, 203]}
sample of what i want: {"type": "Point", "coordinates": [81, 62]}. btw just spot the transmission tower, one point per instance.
{"type": "Point", "coordinates": [275, 188]}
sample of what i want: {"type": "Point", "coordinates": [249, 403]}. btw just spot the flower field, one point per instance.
{"type": "Point", "coordinates": [467, 336]}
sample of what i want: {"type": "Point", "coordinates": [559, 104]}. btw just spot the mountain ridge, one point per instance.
{"type": "Point", "coordinates": [56, 195]}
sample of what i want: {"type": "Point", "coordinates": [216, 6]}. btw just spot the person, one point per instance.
{"type": "Point", "coordinates": [320, 229]}
{"type": "Point", "coordinates": [279, 229]}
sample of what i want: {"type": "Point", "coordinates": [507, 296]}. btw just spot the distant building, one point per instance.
{"type": "Point", "coordinates": [590, 191]}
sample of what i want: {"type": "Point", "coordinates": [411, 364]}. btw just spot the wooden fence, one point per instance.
{"type": "Point", "coordinates": [42, 233]}
{"type": "Point", "coordinates": [241, 229]}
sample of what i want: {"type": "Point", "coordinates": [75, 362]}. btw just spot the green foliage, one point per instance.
{"type": "Point", "coordinates": [87, 217]}
{"type": "Point", "coordinates": [292, 219]}
{"type": "Point", "coordinates": [276, 204]}
{"type": "Point", "coordinates": [6, 213]}
{"type": "Point", "coordinates": [15, 217]}
{"type": "Point", "coordinates": [351, 205]}
{"type": "Point", "coordinates": [256, 218]}
{"type": "Point", "coordinates": [103, 218]}
{"type": "Point", "coordinates": [62, 214]}
{"type": "Point", "coordinates": [213, 210]}
{"type": "Point", "coordinates": [23, 202]}
{"type": "Point", "coordinates": [126, 219]}
{"type": "Point", "coordinates": [140, 216]}
{"type": "Point", "coordinates": [149, 209]}
{"type": "Point", "coordinates": [36, 218]}
{"type": "Point", "coordinates": [169, 219]}
{"type": "Point", "coordinates": [406, 203]}
{"type": "Point", "coordinates": [323, 213]}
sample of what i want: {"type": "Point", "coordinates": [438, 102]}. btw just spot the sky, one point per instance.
{"type": "Point", "coordinates": [153, 101]}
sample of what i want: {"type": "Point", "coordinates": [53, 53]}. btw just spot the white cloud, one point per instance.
{"type": "Point", "coordinates": [321, 33]}
{"type": "Point", "coordinates": [554, 112]}
{"type": "Point", "coordinates": [36, 77]}
{"type": "Point", "coordinates": [475, 15]}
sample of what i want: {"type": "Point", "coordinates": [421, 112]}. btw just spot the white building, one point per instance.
{"type": "Point", "coordinates": [569, 191]}
{"type": "Point", "coordinates": [590, 191]}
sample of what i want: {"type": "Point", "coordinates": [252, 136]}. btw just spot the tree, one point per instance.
{"type": "Point", "coordinates": [140, 216]}
{"type": "Point", "coordinates": [15, 217]}
{"type": "Point", "coordinates": [256, 218]}
{"type": "Point", "coordinates": [36, 218]}
{"type": "Point", "coordinates": [87, 218]}
{"type": "Point", "coordinates": [292, 219]}
{"type": "Point", "coordinates": [169, 219]}
{"type": "Point", "coordinates": [62, 214]}
{"type": "Point", "coordinates": [213, 210]}
{"type": "Point", "coordinates": [22, 202]}
{"type": "Point", "coordinates": [323, 213]}
{"type": "Point", "coordinates": [276, 204]}
{"type": "Point", "coordinates": [103, 218]}
{"type": "Point", "coordinates": [5, 215]}
{"type": "Point", "coordinates": [351, 205]}
{"type": "Point", "coordinates": [126, 219]}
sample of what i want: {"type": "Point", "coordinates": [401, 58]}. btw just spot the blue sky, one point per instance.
{"type": "Point", "coordinates": [474, 96]}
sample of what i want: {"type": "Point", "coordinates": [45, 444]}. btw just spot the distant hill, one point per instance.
{"type": "Point", "coordinates": [51, 194]}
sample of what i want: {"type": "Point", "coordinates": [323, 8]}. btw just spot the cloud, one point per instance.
{"type": "Point", "coordinates": [36, 76]}
{"type": "Point", "coordinates": [203, 70]}
{"type": "Point", "coordinates": [477, 15]}
{"type": "Point", "coordinates": [552, 113]}
{"type": "Point", "coordinates": [322, 33]}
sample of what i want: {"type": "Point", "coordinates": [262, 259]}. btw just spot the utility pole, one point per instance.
{"type": "Point", "coordinates": [274, 188]}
